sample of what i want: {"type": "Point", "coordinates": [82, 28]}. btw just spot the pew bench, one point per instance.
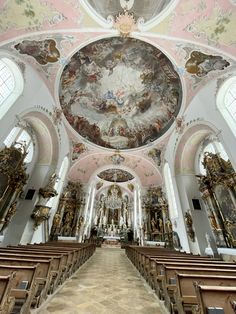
{"type": "Point", "coordinates": [7, 301]}
{"type": "Point", "coordinates": [44, 275]}
{"type": "Point", "coordinates": [166, 281]}
{"type": "Point", "coordinates": [215, 297]}
{"type": "Point", "coordinates": [24, 286]}
{"type": "Point", "coordinates": [57, 263]}
{"type": "Point", "coordinates": [185, 293]}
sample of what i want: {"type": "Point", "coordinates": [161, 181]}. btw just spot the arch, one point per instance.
{"type": "Point", "coordinates": [132, 163]}
{"type": "Point", "coordinates": [226, 102]}
{"type": "Point", "coordinates": [46, 135]}
{"type": "Point", "coordinates": [11, 84]}
{"type": "Point", "coordinates": [212, 145]}
{"type": "Point", "coordinates": [188, 145]}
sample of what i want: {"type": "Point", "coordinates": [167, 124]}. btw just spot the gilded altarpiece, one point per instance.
{"type": "Point", "coordinates": [157, 226]}
{"type": "Point", "coordinates": [12, 179]}
{"type": "Point", "coordinates": [68, 220]}
{"type": "Point", "coordinates": [218, 192]}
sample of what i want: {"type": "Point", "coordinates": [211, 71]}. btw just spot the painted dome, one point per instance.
{"type": "Point", "coordinates": [147, 9]}
{"type": "Point", "coordinates": [120, 93]}
{"type": "Point", "coordinates": [115, 175]}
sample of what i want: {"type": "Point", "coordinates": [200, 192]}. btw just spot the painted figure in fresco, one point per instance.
{"type": "Point", "coordinates": [43, 52]}
{"type": "Point", "coordinates": [78, 149]}
{"type": "Point", "coordinates": [129, 88]}
{"type": "Point", "coordinates": [155, 154]}
{"type": "Point", "coordinates": [201, 64]}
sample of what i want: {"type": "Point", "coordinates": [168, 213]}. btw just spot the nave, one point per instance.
{"type": "Point", "coordinates": [106, 283]}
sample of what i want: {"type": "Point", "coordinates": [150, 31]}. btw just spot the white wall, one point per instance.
{"type": "Point", "coordinates": [202, 110]}
{"type": "Point", "coordinates": [36, 100]}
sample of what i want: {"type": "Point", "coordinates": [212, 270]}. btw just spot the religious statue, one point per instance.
{"type": "Point", "coordinates": [169, 226]}
{"type": "Point", "coordinates": [213, 222]}
{"type": "Point", "coordinates": [11, 212]}
{"type": "Point", "coordinates": [160, 222]}
{"type": "Point", "coordinates": [56, 224]}
{"type": "Point", "coordinates": [189, 224]}
{"type": "Point", "coordinates": [153, 225]}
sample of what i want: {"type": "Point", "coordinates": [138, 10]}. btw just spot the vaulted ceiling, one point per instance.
{"type": "Point", "coordinates": [120, 96]}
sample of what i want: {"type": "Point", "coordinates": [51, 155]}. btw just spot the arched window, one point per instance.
{"type": "Point", "coordinates": [11, 84]}
{"type": "Point", "coordinates": [226, 102]}
{"type": "Point", "coordinates": [211, 146]}
{"type": "Point", "coordinates": [19, 135]}
{"type": "Point", "coordinates": [170, 192]}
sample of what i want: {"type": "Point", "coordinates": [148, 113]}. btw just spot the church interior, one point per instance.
{"type": "Point", "coordinates": [117, 156]}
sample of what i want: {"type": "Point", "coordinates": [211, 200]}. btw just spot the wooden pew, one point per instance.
{"type": "Point", "coordinates": [54, 261]}
{"type": "Point", "coordinates": [73, 253]}
{"type": "Point", "coordinates": [151, 263]}
{"type": "Point", "coordinates": [36, 248]}
{"type": "Point", "coordinates": [44, 274]}
{"type": "Point", "coordinates": [155, 265]}
{"type": "Point", "coordinates": [86, 250]}
{"type": "Point", "coordinates": [214, 296]}
{"type": "Point", "coordinates": [185, 293]}
{"type": "Point", "coordinates": [23, 295]}
{"type": "Point", "coordinates": [7, 301]}
{"type": "Point", "coordinates": [166, 280]}
{"type": "Point", "coordinates": [57, 263]}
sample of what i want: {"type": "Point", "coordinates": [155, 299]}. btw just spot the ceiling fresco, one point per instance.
{"type": "Point", "coordinates": [147, 9]}
{"type": "Point", "coordinates": [120, 93]}
{"type": "Point", "coordinates": [115, 175]}
{"type": "Point", "coordinates": [85, 167]}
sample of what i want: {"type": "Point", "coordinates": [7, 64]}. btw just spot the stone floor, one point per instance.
{"type": "Point", "coordinates": [106, 284]}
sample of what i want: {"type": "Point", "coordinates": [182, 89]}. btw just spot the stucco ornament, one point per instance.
{"type": "Point", "coordinates": [125, 23]}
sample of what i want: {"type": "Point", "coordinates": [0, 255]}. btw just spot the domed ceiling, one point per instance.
{"type": "Point", "coordinates": [146, 9]}
{"type": "Point", "coordinates": [115, 175]}
{"type": "Point", "coordinates": [120, 93]}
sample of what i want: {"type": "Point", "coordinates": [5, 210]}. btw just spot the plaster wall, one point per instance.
{"type": "Point", "coordinates": [202, 110]}
{"type": "Point", "coordinates": [35, 98]}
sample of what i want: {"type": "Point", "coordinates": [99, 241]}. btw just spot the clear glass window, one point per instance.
{"type": "Point", "coordinates": [18, 135]}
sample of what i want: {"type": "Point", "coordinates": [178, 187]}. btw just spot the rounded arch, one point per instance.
{"type": "Point", "coordinates": [188, 147]}
{"type": "Point", "coordinates": [83, 169]}
{"type": "Point", "coordinates": [46, 135]}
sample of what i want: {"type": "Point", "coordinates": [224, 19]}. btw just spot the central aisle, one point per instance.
{"type": "Point", "coordinates": [108, 283]}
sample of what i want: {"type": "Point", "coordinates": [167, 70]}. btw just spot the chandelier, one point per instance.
{"type": "Point", "coordinates": [113, 202]}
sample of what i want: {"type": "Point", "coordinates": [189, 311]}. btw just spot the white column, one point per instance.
{"type": "Point", "coordinates": [140, 216]}
{"type": "Point", "coordinates": [90, 215]}
{"type": "Point", "coordinates": [84, 227]}
{"type": "Point", "coordinates": [135, 213]}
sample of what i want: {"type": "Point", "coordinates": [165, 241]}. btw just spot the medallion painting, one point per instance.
{"type": "Point", "coordinates": [43, 52]}
{"type": "Point", "coordinates": [120, 93]}
{"type": "Point", "coordinates": [115, 175]}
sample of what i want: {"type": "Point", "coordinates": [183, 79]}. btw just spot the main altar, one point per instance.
{"type": "Point", "coordinates": [113, 216]}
